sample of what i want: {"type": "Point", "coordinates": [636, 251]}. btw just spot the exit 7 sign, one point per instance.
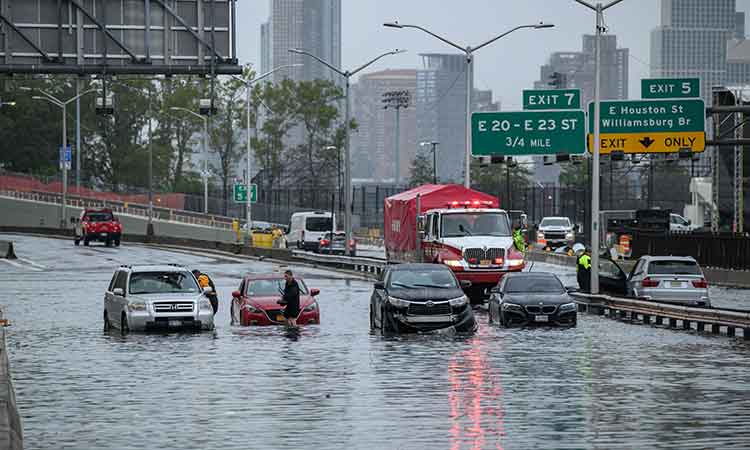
{"type": "Point", "coordinates": [539, 99]}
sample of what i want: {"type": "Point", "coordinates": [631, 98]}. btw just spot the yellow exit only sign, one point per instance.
{"type": "Point", "coordinates": [649, 142]}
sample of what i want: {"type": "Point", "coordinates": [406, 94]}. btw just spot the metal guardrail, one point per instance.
{"type": "Point", "coordinates": [663, 314]}
{"type": "Point", "coordinates": [357, 264]}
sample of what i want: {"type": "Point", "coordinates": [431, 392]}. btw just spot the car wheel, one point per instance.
{"type": "Point", "coordinates": [124, 327]}
{"type": "Point", "coordinates": [385, 324]}
{"type": "Point", "coordinates": [117, 242]}
{"type": "Point", "coordinates": [107, 325]}
{"type": "Point", "coordinates": [77, 242]}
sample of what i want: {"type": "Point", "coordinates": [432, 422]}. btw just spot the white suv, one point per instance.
{"type": "Point", "coordinates": [156, 297]}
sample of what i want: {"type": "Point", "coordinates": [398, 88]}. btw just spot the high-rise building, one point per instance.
{"type": "Point", "coordinates": [374, 142]}
{"type": "Point", "coordinates": [692, 41]}
{"type": "Point", "coordinates": [265, 48]}
{"type": "Point", "coordinates": [441, 110]}
{"type": "Point", "coordinates": [311, 25]}
{"type": "Point", "coordinates": [579, 70]}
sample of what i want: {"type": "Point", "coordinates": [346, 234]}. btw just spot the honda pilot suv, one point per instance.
{"type": "Point", "coordinates": [148, 297]}
{"type": "Point", "coordinates": [98, 225]}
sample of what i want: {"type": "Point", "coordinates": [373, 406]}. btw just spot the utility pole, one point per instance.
{"type": "Point", "coordinates": [595, 188]}
{"type": "Point", "coordinates": [397, 100]}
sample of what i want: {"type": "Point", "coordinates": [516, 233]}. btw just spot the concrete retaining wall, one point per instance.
{"type": "Point", "coordinates": [11, 433]}
{"type": "Point", "coordinates": [26, 213]}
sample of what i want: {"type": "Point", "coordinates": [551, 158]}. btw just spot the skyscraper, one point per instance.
{"type": "Point", "coordinates": [441, 110]}
{"type": "Point", "coordinates": [692, 41]}
{"type": "Point", "coordinates": [373, 144]}
{"type": "Point", "coordinates": [311, 25]}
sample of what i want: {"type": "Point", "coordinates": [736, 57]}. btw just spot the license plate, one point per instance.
{"type": "Point", "coordinates": [541, 318]}
{"type": "Point", "coordinates": [103, 234]}
{"type": "Point", "coordinates": [485, 262]}
{"type": "Point", "coordinates": [676, 284]}
{"type": "Point", "coordinates": [279, 318]}
{"type": "Point", "coordinates": [175, 323]}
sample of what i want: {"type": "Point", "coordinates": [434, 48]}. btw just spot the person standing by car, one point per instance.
{"type": "Point", "coordinates": [205, 281]}
{"type": "Point", "coordinates": [583, 271]}
{"type": "Point", "coordinates": [290, 300]}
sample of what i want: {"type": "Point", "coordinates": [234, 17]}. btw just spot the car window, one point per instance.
{"type": "Point", "coordinates": [555, 223]}
{"type": "Point", "coordinates": [318, 224]}
{"type": "Point", "coordinates": [673, 268]}
{"type": "Point", "coordinates": [98, 217]}
{"type": "Point", "coordinates": [120, 282]}
{"type": "Point", "coordinates": [418, 279]}
{"type": "Point", "coordinates": [112, 282]}
{"type": "Point", "coordinates": [272, 287]}
{"type": "Point", "coordinates": [163, 283]}
{"type": "Point", "coordinates": [608, 268]}
{"type": "Point", "coordinates": [638, 269]}
{"type": "Point", "coordinates": [534, 285]}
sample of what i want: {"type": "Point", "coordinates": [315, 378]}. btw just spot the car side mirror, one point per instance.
{"type": "Point", "coordinates": [421, 222]}
{"type": "Point", "coordinates": [119, 292]}
{"type": "Point", "coordinates": [465, 284]}
{"type": "Point", "coordinates": [236, 294]}
{"type": "Point", "coordinates": [379, 285]}
{"type": "Point", "coordinates": [314, 292]}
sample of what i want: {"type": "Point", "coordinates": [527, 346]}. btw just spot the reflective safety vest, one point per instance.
{"type": "Point", "coordinates": [584, 261]}
{"type": "Point", "coordinates": [519, 241]}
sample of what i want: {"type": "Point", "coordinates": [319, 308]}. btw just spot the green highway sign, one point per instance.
{"type": "Point", "coordinates": [670, 88]}
{"type": "Point", "coordinates": [527, 133]}
{"type": "Point", "coordinates": [240, 193]}
{"type": "Point", "coordinates": [551, 99]}
{"type": "Point", "coordinates": [650, 126]}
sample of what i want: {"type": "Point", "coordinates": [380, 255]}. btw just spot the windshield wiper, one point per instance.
{"type": "Point", "coordinates": [397, 284]}
{"type": "Point", "coordinates": [437, 286]}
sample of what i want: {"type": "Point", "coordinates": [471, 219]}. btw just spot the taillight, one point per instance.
{"type": "Point", "coordinates": [649, 283]}
{"type": "Point", "coordinates": [700, 284]}
{"type": "Point", "coordinates": [324, 242]}
{"type": "Point", "coordinates": [352, 243]}
{"type": "Point", "coordinates": [514, 258]}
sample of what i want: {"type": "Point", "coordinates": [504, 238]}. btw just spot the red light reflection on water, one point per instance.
{"type": "Point", "coordinates": [475, 400]}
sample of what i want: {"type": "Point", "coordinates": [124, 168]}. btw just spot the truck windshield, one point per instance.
{"type": "Point", "coordinates": [163, 283]}
{"type": "Point", "coordinates": [554, 223]}
{"type": "Point", "coordinates": [475, 224]}
{"type": "Point", "coordinates": [318, 224]}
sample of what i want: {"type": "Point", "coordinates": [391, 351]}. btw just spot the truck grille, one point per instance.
{"type": "Point", "coordinates": [549, 309]}
{"type": "Point", "coordinates": [481, 254]}
{"type": "Point", "coordinates": [173, 307]}
{"type": "Point", "coordinates": [429, 308]}
{"type": "Point", "coordinates": [554, 235]}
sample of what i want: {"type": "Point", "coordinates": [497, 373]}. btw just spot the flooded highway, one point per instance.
{"type": "Point", "coordinates": [602, 385]}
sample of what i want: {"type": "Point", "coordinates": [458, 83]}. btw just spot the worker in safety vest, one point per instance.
{"type": "Point", "coordinates": [583, 269]}
{"type": "Point", "coordinates": [518, 240]}
{"type": "Point", "coordinates": [205, 281]}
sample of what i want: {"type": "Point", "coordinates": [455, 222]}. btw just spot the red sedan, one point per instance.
{"type": "Point", "coordinates": [255, 303]}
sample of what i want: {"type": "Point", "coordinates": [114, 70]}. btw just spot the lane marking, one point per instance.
{"type": "Point", "coordinates": [32, 263]}
{"type": "Point", "coordinates": [20, 266]}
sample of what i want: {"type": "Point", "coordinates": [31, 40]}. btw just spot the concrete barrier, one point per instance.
{"type": "Point", "coordinates": [11, 432]}
{"type": "Point", "coordinates": [6, 250]}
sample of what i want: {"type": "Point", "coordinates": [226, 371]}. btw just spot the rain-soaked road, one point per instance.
{"type": "Point", "coordinates": [603, 385]}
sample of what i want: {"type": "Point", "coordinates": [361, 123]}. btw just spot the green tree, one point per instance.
{"type": "Point", "coordinates": [225, 134]}
{"type": "Point", "coordinates": [493, 179]}
{"type": "Point", "coordinates": [421, 171]}
{"type": "Point", "coordinates": [575, 175]}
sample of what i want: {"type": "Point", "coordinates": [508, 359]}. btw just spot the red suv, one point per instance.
{"type": "Point", "coordinates": [98, 225]}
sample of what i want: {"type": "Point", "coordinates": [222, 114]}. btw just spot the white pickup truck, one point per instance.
{"type": "Point", "coordinates": [555, 232]}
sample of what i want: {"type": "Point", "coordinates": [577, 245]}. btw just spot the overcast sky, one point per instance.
{"type": "Point", "coordinates": [507, 67]}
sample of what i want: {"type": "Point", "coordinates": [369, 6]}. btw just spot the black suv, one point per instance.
{"type": "Point", "coordinates": [420, 298]}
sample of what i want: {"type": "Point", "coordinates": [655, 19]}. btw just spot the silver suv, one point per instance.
{"type": "Point", "coordinates": [156, 297]}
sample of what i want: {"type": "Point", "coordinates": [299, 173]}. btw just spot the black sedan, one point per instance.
{"type": "Point", "coordinates": [531, 298]}
{"type": "Point", "coordinates": [420, 298]}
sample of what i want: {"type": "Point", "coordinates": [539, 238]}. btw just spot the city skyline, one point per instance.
{"type": "Point", "coordinates": [364, 36]}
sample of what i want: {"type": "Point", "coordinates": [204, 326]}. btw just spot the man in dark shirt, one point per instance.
{"type": "Point", "coordinates": [290, 299]}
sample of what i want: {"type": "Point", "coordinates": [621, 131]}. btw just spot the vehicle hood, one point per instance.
{"type": "Point", "coordinates": [266, 303]}
{"type": "Point", "coordinates": [166, 297]}
{"type": "Point", "coordinates": [425, 294]}
{"type": "Point", "coordinates": [464, 242]}
{"type": "Point", "coordinates": [555, 228]}
{"type": "Point", "coordinates": [535, 299]}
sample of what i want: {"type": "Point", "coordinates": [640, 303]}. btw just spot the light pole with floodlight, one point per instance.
{"type": "Point", "coordinates": [469, 52]}
{"type": "Point", "coordinates": [347, 151]}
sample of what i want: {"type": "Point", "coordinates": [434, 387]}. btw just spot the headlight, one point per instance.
{"type": "Point", "coordinates": [569, 236]}
{"type": "Point", "coordinates": [398, 303]}
{"type": "Point", "coordinates": [252, 309]}
{"type": "Point", "coordinates": [311, 307]}
{"type": "Point", "coordinates": [453, 262]}
{"type": "Point", "coordinates": [568, 307]}
{"type": "Point", "coordinates": [137, 306]}
{"type": "Point", "coordinates": [205, 304]}
{"type": "Point", "coordinates": [512, 307]}
{"type": "Point", "coordinates": [460, 301]}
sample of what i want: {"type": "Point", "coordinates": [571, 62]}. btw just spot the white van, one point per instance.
{"type": "Point", "coordinates": [306, 229]}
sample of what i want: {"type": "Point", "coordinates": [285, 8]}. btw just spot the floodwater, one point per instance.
{"type": "Point", "coordinates": [602, 385]}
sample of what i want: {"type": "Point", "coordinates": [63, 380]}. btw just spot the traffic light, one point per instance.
{"type": "Point", "coordinates": [557, 80]}
{"type": "Point", "coordinates": [105, 105]}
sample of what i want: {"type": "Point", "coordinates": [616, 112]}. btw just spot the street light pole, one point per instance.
{"type": "Point", "coordinates": [347, 151]}
{"type": "Point", "coordinates": [595, 185]}
{"type": "Point", "coordinates": [63, 105]}
{"type": "Point", "coordinates": [204, 173]}
{"type": "Point", "coordinates": [469, 52]}
{"type": "Point", "coordinates": [248, 178]}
